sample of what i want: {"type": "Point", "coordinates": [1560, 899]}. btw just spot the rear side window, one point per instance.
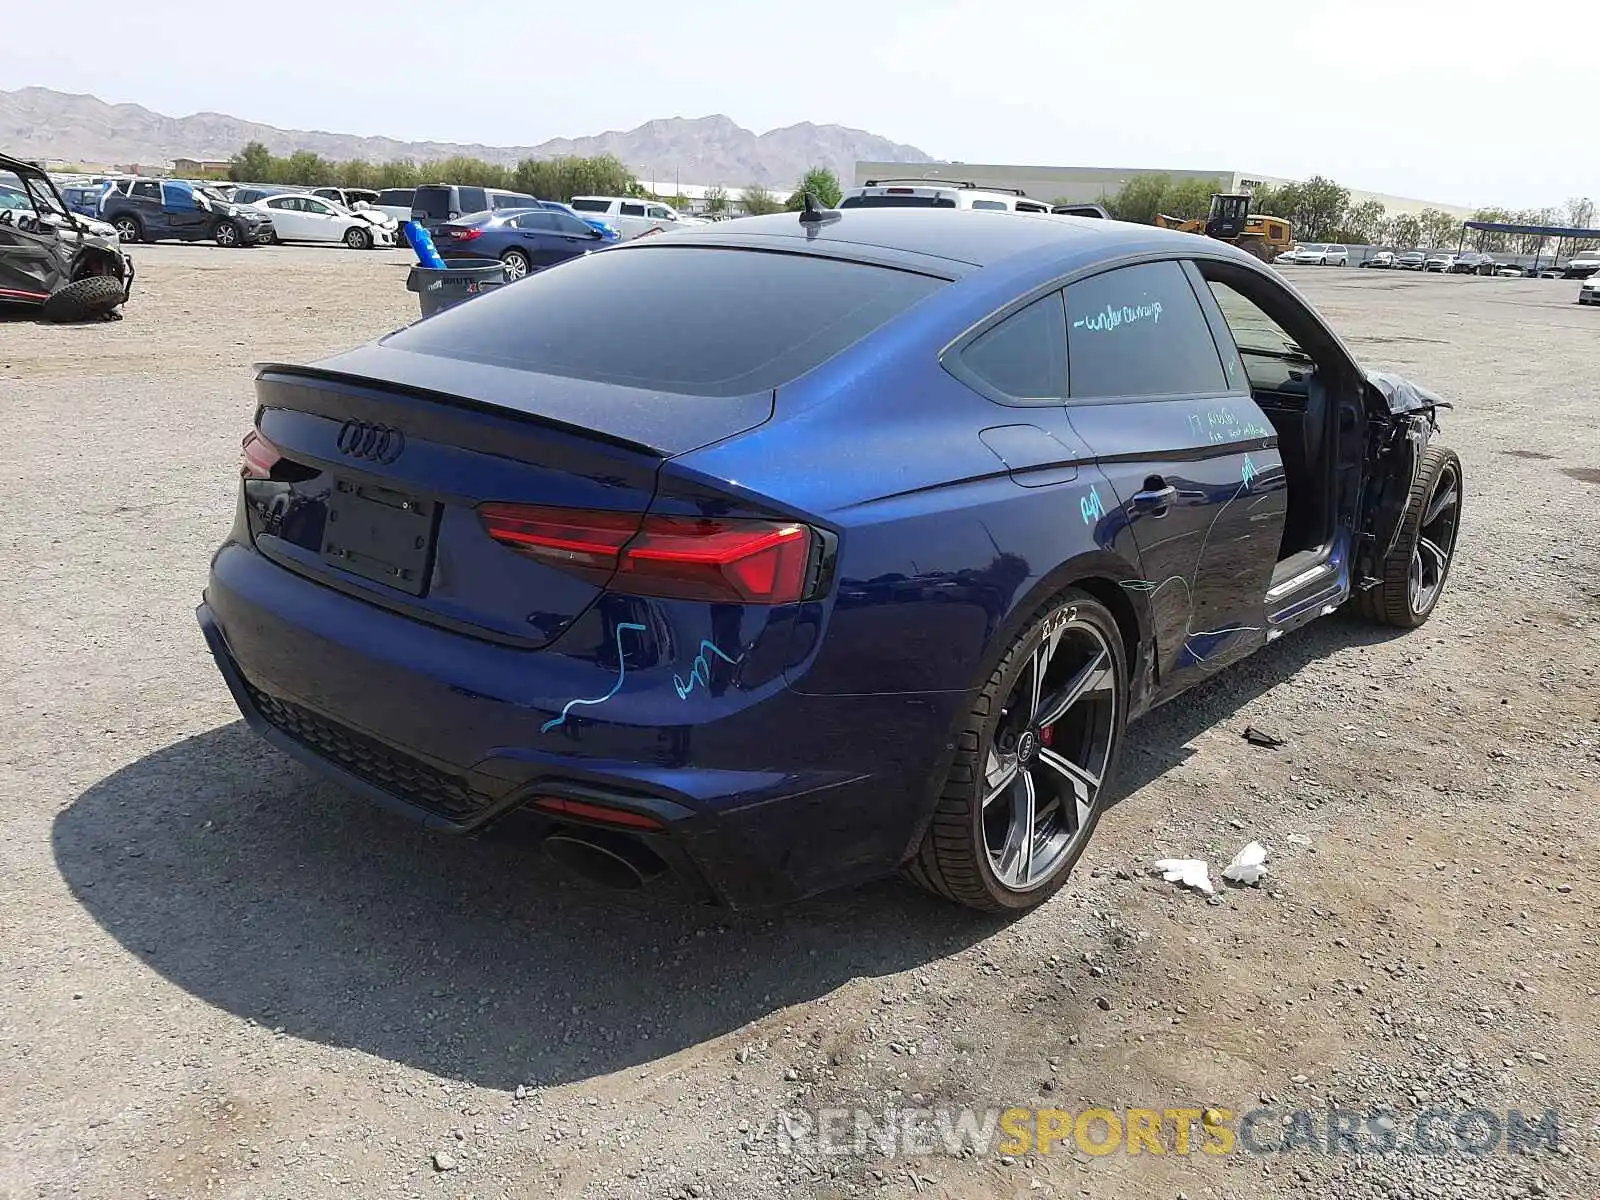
{"type": "Point", "coordinates": [395, 196]}
{"type": "Point", "coordinates": [591, 205]}
{"type": "Point", "coordinates": [684, 319]}
{"type": "Point", "coordinates": [473, 199]}
{"type": "Point", "coordinates": [538, 220]}
{"type": "Point", "coordinates": [1024, 357]}
{"type": "Point", "coordinates": [632, 210]}
{"type": "Point", "coordinates": [1140, 331]}
{"type": "Point", "coordinates": [991, 204]}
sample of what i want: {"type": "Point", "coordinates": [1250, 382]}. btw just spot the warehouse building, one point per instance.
{"type": "Point", "coordinates": [1086, 184]}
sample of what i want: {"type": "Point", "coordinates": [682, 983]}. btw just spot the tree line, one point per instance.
{"type": "Point", "coordinates": [1320, 210]}
{"type": "Point", "coordinates": [547, 178]}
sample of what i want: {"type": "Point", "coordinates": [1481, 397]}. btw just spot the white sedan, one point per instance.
{"type": "Point", "coordinates": [300, 217]}
{"type": "Point", "coordinates": [1316, 254]}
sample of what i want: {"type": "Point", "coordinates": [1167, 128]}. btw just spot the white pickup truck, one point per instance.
{"type": "Point", "coordinates": [631, 217]}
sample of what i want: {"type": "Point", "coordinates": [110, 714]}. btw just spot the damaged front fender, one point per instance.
{"type": "Point", "coordinates": [1403, 417]}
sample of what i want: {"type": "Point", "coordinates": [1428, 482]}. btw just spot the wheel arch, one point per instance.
{"type": "Point", "coordinates": [1098, 572]}
{"type": "Point", "coordinates": [1101, 573]}
{"type": "Point", "coordinates": [95, 260]}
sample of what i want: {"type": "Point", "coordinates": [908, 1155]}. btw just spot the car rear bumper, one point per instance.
{"type": "Point", "coordinates": [386, 706]}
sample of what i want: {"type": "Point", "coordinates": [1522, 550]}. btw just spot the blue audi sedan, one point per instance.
{"type": "Point", "coordinates": [784, 553]}
{"type": "Point", "coordinates": [525, 239]}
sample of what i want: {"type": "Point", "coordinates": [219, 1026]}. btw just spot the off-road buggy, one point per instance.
{"type": "Point", "coordinates": [52, 259]}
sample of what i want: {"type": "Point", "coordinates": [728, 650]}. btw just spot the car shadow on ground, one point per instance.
{"type": "Point", "coordinates": [254, 886]}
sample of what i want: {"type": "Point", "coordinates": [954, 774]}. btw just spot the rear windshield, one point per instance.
{"type": "Point", "coordinates": [432, 202]}
{"type": "Point", "coordinates": [898, 202]}
{"type": "Point", "coordinates": [686, 319]}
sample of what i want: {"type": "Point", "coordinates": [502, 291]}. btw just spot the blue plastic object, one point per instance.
{"type": "Point", "coordinates": [421, 241]}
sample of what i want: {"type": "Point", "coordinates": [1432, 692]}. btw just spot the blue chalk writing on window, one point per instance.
{"type": "Point", "coordinates": [1248, 471]}
{"type": "Point", "coordinates": [1117, 315]}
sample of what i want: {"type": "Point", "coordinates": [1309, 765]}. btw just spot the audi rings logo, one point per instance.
{"type": "Point", "coordinates": [375, 443]}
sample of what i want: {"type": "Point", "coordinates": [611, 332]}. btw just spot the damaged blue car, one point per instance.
{"type": "Point", "coordinates": [784, 553]}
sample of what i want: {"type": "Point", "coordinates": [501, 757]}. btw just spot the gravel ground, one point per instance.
{"type": "Point", "coordinates": [221, 977]}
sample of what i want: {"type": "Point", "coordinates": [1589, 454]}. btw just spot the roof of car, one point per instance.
{"type": "Point", "coordinates": [973, 237]}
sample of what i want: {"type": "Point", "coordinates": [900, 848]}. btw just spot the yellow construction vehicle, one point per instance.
{"type": "Point", "coordinates": [1230, 220]}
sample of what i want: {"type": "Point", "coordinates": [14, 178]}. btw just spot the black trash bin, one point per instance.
{"type": "Point", "coordinates": [462, 279]}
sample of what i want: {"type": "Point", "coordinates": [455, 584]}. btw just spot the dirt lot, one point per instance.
{"type": "Point", "coordinates": [221, 977]}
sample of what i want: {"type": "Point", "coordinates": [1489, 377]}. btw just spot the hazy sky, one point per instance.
{"type": "Point", "coordinates": [1461, 101]}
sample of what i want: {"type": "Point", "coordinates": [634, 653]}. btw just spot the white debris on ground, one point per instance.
{"type": "Point", "coordinates": [1248, 866]}
{"type": "Point", "coordinates": [1190, 872]}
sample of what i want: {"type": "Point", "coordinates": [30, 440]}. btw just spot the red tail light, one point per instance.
{"type": "Point", "coordinates": [686, 558]}
{"type": "Point", "coordinates": [465, 235]}
{"type": "Point", "coordinates": [257, 456]}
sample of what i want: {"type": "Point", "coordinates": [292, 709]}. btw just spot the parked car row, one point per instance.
{"type": "Point", "coordinates": [1447, 262]}
{"type": "Point", "coordinates": [152, 210]}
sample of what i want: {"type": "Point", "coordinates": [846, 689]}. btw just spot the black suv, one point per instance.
{"type": "Point", "coordinates": [152, 210]}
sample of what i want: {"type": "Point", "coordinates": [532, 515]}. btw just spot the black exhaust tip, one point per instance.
{"type": "Point", "coordinates": [609, 859]}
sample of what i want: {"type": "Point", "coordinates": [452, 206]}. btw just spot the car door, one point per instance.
{"type": "Point", "coordinates": [1188, 457]}
{"type": "Point", "coordinates": [28, 269]}
{"type": "Point", "coordinates": [184, 216]}
{"type": "Point", "coordinates": [539, 239]}
{"type": "Point", "coordinates": [288, 220]}
{"type": "Point", "coordinates": [322, 221]}
{"type": "Point", "coordinates": [577, 237]}
{"type": "Point", "coordinates": [145, 198]}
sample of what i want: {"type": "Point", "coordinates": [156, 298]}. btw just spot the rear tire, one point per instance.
{"type": "Point", "coordinates": [84, 300]}
{"type": "Point", "coordinates": [517, 265]}
{"type": "Point", "coordinates": [1414, 574]}
{"type": "Point", "coordinates": [1036, 757]}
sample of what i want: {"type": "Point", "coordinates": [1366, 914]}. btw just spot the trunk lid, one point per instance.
{"type": "Point", "coordinates": [382, 458]}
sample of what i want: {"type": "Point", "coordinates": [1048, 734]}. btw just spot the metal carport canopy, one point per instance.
{"type": "Point", "coordinates": [1553, 231]}
{"type": "Point", "coordinates": [1560, 232]}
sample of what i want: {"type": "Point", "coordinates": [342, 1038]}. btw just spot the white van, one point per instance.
{"type": "Point", "coordinates": [938, 193]}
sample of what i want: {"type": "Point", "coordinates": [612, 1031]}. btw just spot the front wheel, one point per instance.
{"type": "Point", "coordinates": [93, 296]}
{"type": "Point", "coordinates": [357, 238]}
{"type": "Point", "coordinates": [517, 265]}
{"type": "Point", "coordinates": [128, 229]}
{"type": "Point", "coordinates": [1035, 758]}
{"type": "Point", "coordinates": [1414, 573]}
{"type": "Point", "coordinates": [228, 235]}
